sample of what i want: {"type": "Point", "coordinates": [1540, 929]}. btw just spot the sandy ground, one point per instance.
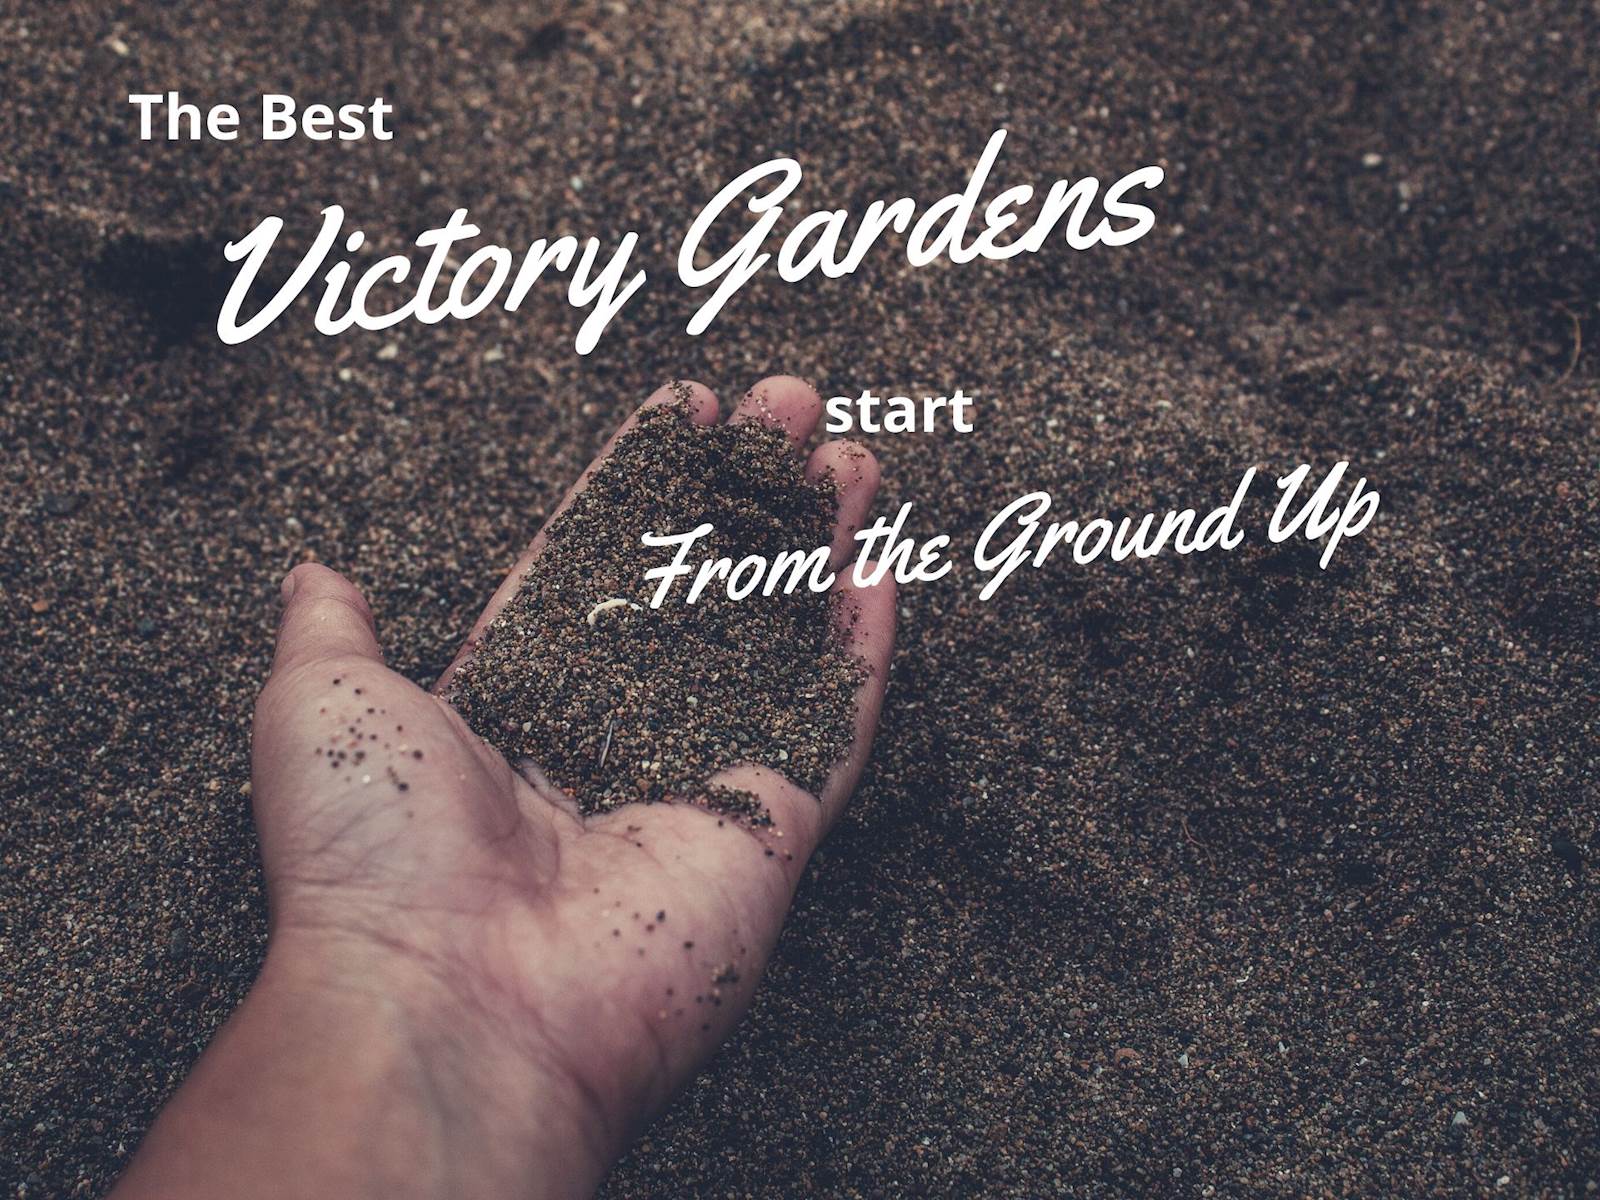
{"type": "Point", "coordinates": [1221, 875]}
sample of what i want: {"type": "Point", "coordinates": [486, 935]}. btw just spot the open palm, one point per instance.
{"type": "Point", "coordinates": [610, 952]}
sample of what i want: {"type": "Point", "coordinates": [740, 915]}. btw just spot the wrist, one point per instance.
{"type": "Point", "coordinates": [349, 1064]}
{"type": "Point", "coordinates": [486, 1111]}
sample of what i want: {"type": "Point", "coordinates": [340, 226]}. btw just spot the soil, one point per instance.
{"type": "Point", "coordinates": [1216, 875]}
{"type": "Point", "coordinates": [619, 702]}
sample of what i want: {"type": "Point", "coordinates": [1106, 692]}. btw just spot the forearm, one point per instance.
{"type": "Point", "coordinates": [364, 1088]}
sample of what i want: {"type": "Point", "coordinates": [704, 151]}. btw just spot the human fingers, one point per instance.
{"type": "Point", "coordinates": [855, 475]}
{"type": "Point", "coordinates": [784, 402]}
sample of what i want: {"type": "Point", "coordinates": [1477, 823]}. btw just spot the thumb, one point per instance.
{"type": "Point", "coordinates": [324, 617]}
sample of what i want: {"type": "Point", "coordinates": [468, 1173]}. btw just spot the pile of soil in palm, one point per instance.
{"type": "Point", "coordinates": [616, 701]}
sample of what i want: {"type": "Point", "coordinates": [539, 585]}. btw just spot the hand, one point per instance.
{"type": "Point", "coordinates": [469, 989]}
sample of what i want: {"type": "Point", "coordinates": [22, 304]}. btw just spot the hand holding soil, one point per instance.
{"type": "Point", "coordinates": [484, 973]}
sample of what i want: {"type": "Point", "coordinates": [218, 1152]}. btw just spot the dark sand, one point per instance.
{"type": "Point", "coordinates": [1219, 875]}
{"type": "Point", "coordinates": [618, 702]}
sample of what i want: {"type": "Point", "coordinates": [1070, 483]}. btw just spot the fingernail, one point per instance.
{"type": "Point", "coordinates": [286, 591]}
